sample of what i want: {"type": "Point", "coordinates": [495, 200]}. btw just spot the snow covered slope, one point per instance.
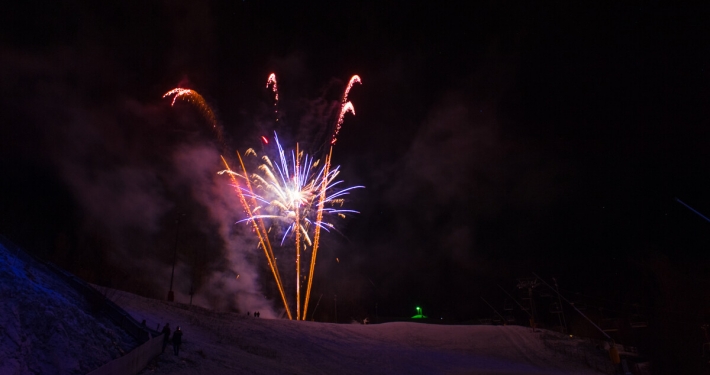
{"type": "Point", "coordinates": [46, 326]}
{"type": "Point", "coordinates": [227, 343]}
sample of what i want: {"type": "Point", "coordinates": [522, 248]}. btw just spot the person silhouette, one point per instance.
{"type": "Point", "coordinates": [177, 340]}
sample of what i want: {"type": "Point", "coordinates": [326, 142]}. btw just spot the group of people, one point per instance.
{"type": "Point", "coordinates": [177, 335]}
{"type": "Point", "coordinates": [177, 338]}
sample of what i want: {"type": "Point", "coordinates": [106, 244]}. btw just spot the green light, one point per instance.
{"type": "Point", "coordinates": [419, 314]}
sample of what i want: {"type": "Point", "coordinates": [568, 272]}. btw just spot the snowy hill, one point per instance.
{"type": "Point", "coordinates": [48, 327]}
{"type": "Point", "coordinates": [229, 343]}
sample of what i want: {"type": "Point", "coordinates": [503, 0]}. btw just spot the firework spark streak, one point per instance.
{"type": "Point", "coordinates": [353, 80]}
{"type": "Point", "coordinates": [191, 96]}
{"type": "Point", "coordinates": [272, 80]}
{"type": "Point", "coordinates": [291, 195]}
{"type": "Point", "coordinates": [345, 107]}
{"type": "Point", "coordinates": [298, 242]}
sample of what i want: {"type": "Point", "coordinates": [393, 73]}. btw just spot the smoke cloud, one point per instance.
{"type": "Point", "coordinates": [133, 167]}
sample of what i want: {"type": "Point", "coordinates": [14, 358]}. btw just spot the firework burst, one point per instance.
{"type": "Point", "coordinates": [290, 186]}
{"type": "Point", "coordinates": [292, 196]}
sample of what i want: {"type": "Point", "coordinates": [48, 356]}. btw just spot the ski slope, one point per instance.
{"type": "Point", "coordinates": [229, 343]}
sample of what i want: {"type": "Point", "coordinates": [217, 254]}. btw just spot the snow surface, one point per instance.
{"type": "Point", "coordinates": [228, 343]}
{"type": "Point", "coordinates": [46, 326]}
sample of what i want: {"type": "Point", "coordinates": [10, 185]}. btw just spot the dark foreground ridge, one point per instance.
{"type": "Point", "coordinates": [49, 325]}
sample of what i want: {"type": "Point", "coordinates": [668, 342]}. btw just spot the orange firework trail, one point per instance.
{"type": "Point", "coordinates": [264, 234]}
{"type": "Point", "coordinates": [191, 96]}
{"type": "Point", "coordinates": [316, 237]}
{"type": "Point", "coordinates": [346, 107]}
{"type": "Point", "coordinates": [298, 244]}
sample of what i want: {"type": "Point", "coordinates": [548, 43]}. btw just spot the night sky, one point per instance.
{"type": "Point", "coordinates": [494, 141]}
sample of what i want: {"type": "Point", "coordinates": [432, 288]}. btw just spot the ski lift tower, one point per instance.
{"type": "Point", "coordinates": [529, 283]}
